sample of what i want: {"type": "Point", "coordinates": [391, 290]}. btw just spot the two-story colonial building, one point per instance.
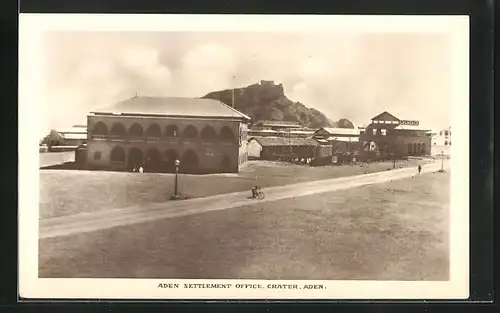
{"type": "Point", "coordinates": [205, 135]}
{"type": "Point", "coordinates": [388, 135]}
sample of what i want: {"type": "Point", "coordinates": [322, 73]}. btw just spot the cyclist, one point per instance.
{"type": "Point", "coordinates": [255, 191]}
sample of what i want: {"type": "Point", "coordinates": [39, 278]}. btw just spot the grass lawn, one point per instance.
{"type": "Point", "coordinates": [70, 191]}
{"type": "Point", "coordinates": [391, 231]}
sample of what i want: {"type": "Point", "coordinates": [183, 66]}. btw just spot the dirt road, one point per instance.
{"type": "Point", "coordinates": [87, 222]}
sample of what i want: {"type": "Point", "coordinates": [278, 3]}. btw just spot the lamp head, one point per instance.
{"type": "Point", "coordinates": [177, 162]}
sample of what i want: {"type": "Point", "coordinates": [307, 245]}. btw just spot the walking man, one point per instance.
{"type": "Point", "coordinates": [419, 169]}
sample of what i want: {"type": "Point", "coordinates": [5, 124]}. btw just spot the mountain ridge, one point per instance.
{"type": "Point", "coordinates": [267, 101]}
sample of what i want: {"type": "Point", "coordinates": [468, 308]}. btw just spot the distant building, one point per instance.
{"type": "Point", "coordinates": [66, 139]}
{"type": "Point", "coordinates": [329, 132]}
{"type": "Point", "coordinates": [442, 138]}
{"type": "Point", "coordinates": [205, 135]}
{"type": "Point", "coordinates": [341, 140]}
{"type": "Point", "coordinates": [271, 148]}
{"type": "Point", "coordinates": [275, 125]}
{"type": "Point", "coordinates": [388, 135]}
{"type": "Point", "coordinates": [286, 129]}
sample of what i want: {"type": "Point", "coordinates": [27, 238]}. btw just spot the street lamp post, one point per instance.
{"type": "Point", "coordinates": [176, 195]}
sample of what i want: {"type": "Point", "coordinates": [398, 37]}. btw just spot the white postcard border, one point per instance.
{"type": "Point", "coordinates": [30, 92]}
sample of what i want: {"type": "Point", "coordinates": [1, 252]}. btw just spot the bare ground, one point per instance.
{"type": "Point", "coordinates": [390, 231]}
{"type": "Point", "coordinates": [67, 192]}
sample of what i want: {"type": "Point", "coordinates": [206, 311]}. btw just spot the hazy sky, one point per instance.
{"type": "Point", "coordinates": [343, 75]}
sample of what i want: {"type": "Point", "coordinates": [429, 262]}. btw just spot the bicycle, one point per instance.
{"type": "Point", "coordinates": [260, 194]}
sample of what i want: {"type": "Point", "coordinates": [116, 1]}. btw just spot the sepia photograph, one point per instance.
{"type": "Point", "coordinates": [201, 160]}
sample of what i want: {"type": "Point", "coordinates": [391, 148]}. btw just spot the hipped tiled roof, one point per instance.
{"type": "Point", "coordinates": [172, 106]}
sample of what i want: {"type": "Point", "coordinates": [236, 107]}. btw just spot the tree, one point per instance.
{"type": "Point", "coordinates": [344, 123]}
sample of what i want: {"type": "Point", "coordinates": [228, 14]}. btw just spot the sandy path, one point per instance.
{"type": "Point", "coordinates": [87, 222]}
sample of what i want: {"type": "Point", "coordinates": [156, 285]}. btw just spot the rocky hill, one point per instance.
{"type": "Point", "coordinates": [267, 101]}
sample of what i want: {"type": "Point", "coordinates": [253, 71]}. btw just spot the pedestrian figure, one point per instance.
{"type": "Point", "coordinates": [141, 170]}
{"type": "Point", "coordinates": [419, 169]}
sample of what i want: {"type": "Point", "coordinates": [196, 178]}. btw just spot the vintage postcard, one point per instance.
{"type": "Point", "coordinates": [243, 157]}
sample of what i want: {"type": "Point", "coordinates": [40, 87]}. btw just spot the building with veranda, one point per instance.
{"type": "Point", "coordinates": [205, 135]}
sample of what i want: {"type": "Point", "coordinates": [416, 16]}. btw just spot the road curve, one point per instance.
{"type": "Point", "coordinates": [88, 222]}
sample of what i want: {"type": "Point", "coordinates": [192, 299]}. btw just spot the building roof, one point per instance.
{"type": "Point", "coordinates": [173, 106]}
{"type": "Point", "coordinates": [344, 139]}
{"type": "Point", "coordinates": [281, 141]}
{"type": "Point", "coordinates": [79, 136]}
{"type": "Point", "coordinates": [278, 123]}
{"type": "Point", "coordinates": [409, 127]}
{"type": "Point", "coordinates": [386, 115]}
{"type": "Point", "coordinates": [340, 131]}
{"type": "Point", "coordinates": [322, 141]}
{"type": "Point", "coordinates": [76, 129]}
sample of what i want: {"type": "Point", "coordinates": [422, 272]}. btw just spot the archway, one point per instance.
{"type": "Point", "coordinates": [208, 133]}
{"type": "Point", "coordinates": [153, 160]}
{"type": "Point", "coordinates": [135, 130]}
{"type": "Point", "coordinates": [169, 160]}
{"type": "Point", "coordinates": [190, 132]}
{"type": "Point", "coordinates": [118, 154]}
{"type": "Point", "coordinates": [100, 129]}
{"type": "Point", "coordinates": [172, 131]}
{"type": "Point", "coordinates": [135, 158]}
{"type": "Point", "coordinates": [153, 131]}
{"type": "Point", "coordinates": [189, 161]}
{"type": "Point", "coordinates": [225, 163]}
{"type": "Point", "coordinates": [227, 134]}
{"type": "Point", "coordinates": [118, 130]}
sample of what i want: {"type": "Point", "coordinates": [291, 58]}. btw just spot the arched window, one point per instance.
{"type": "Point", "coordinates": [153, 160]}
{"type": "Point", "coordinates": [118, 130]}
{"type": "Point", "coordinates": [169, 160]}
{"type": "Point", "coordinates": [227, 134]}
{"type": "Point", "coordinates": [171, 155]}
{"type": "Point", "coordinates": [135, 158]}
{"type": "Point", "coordinates": [446, 142]}
{"type": "Point", "coordinates": [190, 132]}
{"type": "Point", "coordinates": [153, 131]}
{"type": "Point", "coordinates": [172, 131]}
{"type": "Point", "coordinates": [100, 129]}
{"type": "Point", "coordinates": [189, 161]}
{"type": "Point", "coordinates": [135, 130]}
{"type": "Point", "coordinates": [208, 134]}
{"type": "Point", "coordinates": [118, 154]}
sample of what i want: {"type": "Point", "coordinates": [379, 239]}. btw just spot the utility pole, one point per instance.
{"type": "Point", "coordinates": [232, 102]}
{"type": "Point", "coordinates": [233, 92]}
